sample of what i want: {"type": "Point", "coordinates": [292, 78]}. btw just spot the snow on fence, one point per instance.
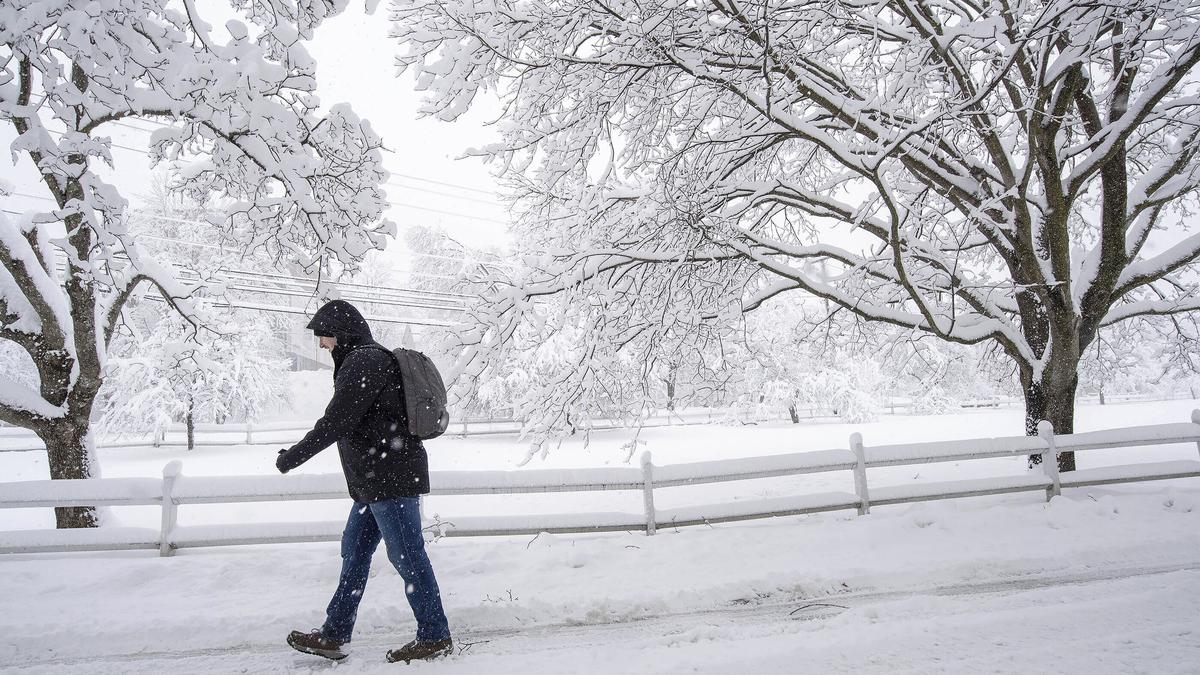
{"type": "Point", "coordinates": [16, 439]}
{"type": "Point", "coordinates": [176, 489]}
{"type": "Point", "coordinates": [287, 433]}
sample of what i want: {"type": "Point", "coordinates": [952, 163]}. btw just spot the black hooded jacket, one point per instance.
{"type": "Point", "coordinates": [365, 416]}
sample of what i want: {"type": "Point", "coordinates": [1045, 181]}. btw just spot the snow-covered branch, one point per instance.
{"type": "Point", "coordinates": [1150, 308]}
{"type": "Point", "coordinates": [19, 405]}
{"type": "Point", "coordinates": [1145, 271]}
{"type": "Point", "coordinates": [972, 172]}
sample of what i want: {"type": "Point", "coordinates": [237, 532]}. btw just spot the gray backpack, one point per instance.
{"type": "Point", "coordinates": [424, 394]}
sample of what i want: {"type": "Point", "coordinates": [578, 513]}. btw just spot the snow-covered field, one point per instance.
{"type": "Point", "coordinates": [1100, 580]}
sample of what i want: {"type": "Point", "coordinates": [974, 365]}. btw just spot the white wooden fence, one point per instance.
{"type": "Point", "coordinates": [176, 489]}
{"type": "Point", "coordinates": [14, 439]}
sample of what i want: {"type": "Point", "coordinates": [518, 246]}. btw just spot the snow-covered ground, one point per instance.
{"type": "Point", "coordinates": [1100, 580]}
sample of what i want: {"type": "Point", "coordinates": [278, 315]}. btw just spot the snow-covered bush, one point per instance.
{"type": "Point", "coordinates": [933, 401]}
{"type": "Point", "coordinates": [174, 374]}
{"type": "Point", "coordinates": [854, 390]}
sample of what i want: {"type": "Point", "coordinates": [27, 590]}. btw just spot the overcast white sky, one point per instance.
{"type": "Point", "coordinates": [428, 186]}
{"type": "Point", "coordinates": [355, 65]}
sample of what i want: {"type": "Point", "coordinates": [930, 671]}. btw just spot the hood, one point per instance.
{"type": "Point", "coordinates": [340, 319]}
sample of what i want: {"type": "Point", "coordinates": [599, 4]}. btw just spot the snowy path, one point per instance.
{"type": "Point", "coordinates": [1107, 621]}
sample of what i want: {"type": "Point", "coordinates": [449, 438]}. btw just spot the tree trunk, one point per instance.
{"type": "Point", "coordinates": [670, 382]}
{"type": "Point", "coordinates": [190, 421]}
{"type": "Point", "coordinates": [795, 415]}
{"type": "Point", "coordinates": [1101, 395]}
{"type": "Point", "coordinates": [69, 450]}
{"type": "Point", "coordinates": [1052, 399]}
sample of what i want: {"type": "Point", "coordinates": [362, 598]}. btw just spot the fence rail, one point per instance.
{"type": "Point", "coordinates": [16, 439]}
{"type": "Point", "coordinates": [176, 489]}
{"type": "Point", "coordinates": [13, 439]}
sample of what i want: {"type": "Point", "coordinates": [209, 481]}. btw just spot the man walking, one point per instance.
{"type": "Point", "coordinates": [386, 472]}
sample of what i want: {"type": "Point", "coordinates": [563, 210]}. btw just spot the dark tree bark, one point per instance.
{"type": "Point", "coordinates": [190, 421]}
{"type": "Point", "coordinates": [1052, 399]}
{"type": "Point", "coordinates": [67, 447]}
{"type": "Point", "coordinates": [671, 373]}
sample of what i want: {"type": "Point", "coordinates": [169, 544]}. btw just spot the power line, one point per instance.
{"type": "Point", "coordinates": [385, 289]}
{"type": "Point", "coordinates": [438, 182]}
{"type": "Point", "coordinates": [60, 134]}
{"type": "Point", "coordinates": [414, 303]}
{"type": "Point", "coordinates": [439, 192]}
{"type": "Point", "coordinates": [279, 309]}
{"type": "Point", "coordinates": [162, 125]}
{"type": "Point", "coordinates": [305, 287]}
{"type": "Point", "coordinates": [409, 304]}
{"type": "Point", "coordinates": [391, 292]}
{"type": "Point", "coordinates": [197, 244]}
{"type": "Point", "coordinates": [448, 213]}
{"type": "Point", "coordinates": [390, 203]}
{"type": "Point", "coordinates": [127, 125]}
{"type": "Point", "coordinates": [493, 263]}
{"type": "Point", "coordinates": [292, 310]}
{"type": "Point", "coordinates": [393, 204]}
{"type": "Point", "coordinates": [429, 297]}
{"type": "Point", "coordinates": [42, 197]}
{"type": "Point", "coordinates": [189, 242]}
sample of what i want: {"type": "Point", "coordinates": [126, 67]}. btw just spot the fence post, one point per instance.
{"type": "Point", "coordinates": [1196, 420]}
{"type": "Point", "coordinates": [860, 474]}
{"type": "Point", "coordinates": [1050, 459]}
{"type": "Point", "coordinates": [648, 494]}
{"type": "Point", "coordinates": [249, 432]}
{"type": "Point", "coordinates": [169, 509]}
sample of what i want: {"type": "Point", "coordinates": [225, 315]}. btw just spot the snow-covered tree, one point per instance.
{"type": "Point", "coordinates": [1120, 361]}
{"type": "Point", "coordinates": [937, 376]}
{"type": "Point", "coordinates": [1180, 350]}
{"type": "Point", "coordinates": [779, 361]}
{"type": "Point", "coordinates": [244, 132]}
{"type": "Point", "coordinates": [1151, 356]}
{"type": "Point", "coordinates": [544, 376]}
{"type": "Point", "coordinates": [1010, 172]}
{"type": "Point", "coordinates": [172, 373]}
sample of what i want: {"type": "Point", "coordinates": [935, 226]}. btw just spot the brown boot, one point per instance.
{"type": "Point", "coordinates": [315, 643]}
{"type": "Point", "coordinates": [419, 650]}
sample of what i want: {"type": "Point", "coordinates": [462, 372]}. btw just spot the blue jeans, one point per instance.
{"type": "Point", "coordinates": [398, 523]}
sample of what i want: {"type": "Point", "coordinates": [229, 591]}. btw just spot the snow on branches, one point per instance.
{"type": "Point", "coordinates": [1011, 173]}
{"type": "Point", "coordinates": [243, 130]}
{"type": "Point", "coordinates": [169, 373]}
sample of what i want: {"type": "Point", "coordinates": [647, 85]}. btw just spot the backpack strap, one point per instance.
{"type": "Point", "coordinates": [399, 380]}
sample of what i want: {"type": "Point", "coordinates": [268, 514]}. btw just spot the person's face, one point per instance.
{"type": "Point", "coordinates": [327, 342]}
